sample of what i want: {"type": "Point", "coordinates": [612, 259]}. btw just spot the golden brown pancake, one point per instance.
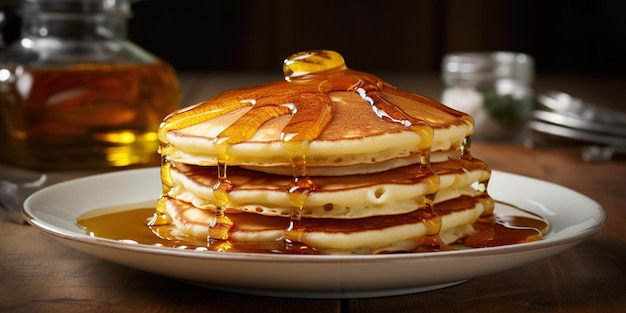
{"type": "Point", "coordinates": [342, 119]}
{"type": "Point", "coordinates": [396, 191]}
{"type": "Point", "coordinates": [370, 235]}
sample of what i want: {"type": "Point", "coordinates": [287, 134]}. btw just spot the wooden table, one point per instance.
{"type": "Point", "coordinates": [38, 274]}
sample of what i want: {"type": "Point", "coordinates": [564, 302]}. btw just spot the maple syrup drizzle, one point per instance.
{"type": "Point", "coordinates": [160, 215]}
{"type": "Point", "coordinates": [304, 94]}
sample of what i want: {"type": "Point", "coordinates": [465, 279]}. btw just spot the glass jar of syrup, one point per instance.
{"type": "Point", "coordinates": [76, 94]}
{"type": "Point", "coordinates": [495, 88]}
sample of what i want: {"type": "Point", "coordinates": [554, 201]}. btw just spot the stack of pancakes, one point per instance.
{"type": "Point", "coordinates": [330, 159]}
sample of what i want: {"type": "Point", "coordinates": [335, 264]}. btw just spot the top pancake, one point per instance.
{"type": "Point", "coordinates": [336, 118]}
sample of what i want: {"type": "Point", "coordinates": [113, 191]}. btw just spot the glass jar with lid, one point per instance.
{"type": "Point", "coordinates": [495, 88]}
{"type": "Point", "coordinates": [76, 94]}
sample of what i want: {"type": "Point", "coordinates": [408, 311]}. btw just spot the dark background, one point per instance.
{"type": "Point", "coordinates": [585, 37]}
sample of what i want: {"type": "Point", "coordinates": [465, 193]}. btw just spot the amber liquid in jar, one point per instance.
{"type": "Point", "coordinates": [86, 116]}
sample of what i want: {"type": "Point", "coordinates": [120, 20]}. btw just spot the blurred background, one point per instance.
{"type": "Point", "coordinates": [585, 37]}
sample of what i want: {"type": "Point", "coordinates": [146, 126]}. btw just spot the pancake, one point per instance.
{"type": "Point", "coordinates": [360, 124]}
{"type": "Point", "coordinates": [330, 158]}
{"type": "Point", "coordinates": [372, 235]}
{"type": "Point", "coordinates": [396, 191]}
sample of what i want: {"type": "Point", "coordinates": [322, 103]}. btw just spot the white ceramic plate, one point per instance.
{"type": "Point", "coordinates": [573, 217]}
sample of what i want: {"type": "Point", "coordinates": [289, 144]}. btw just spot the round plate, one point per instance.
{"type": "Point", "coordinates": [54, 210]}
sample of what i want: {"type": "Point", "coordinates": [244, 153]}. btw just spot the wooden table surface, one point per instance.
{"type": "Point", "coordinates": [39, 274]}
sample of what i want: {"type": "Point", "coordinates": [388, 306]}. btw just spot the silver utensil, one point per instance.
{"type": "Point", "coordinates": [602, 130]}
{"type": "Point", "coordinates": [567, 105]}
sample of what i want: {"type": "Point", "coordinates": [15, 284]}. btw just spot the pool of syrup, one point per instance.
{"type": "Point", "coordinates": [511, 226]}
